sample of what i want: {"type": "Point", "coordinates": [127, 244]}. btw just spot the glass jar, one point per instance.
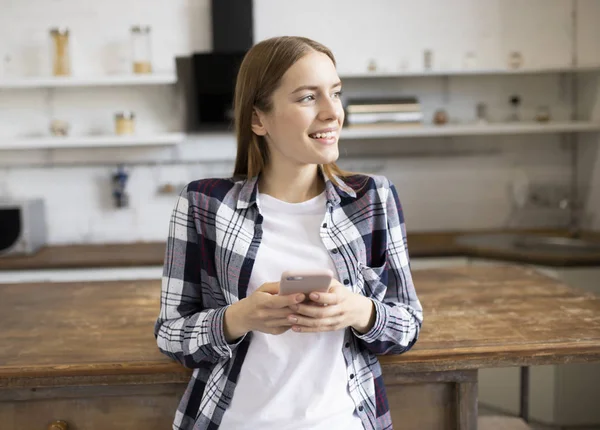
{"type": "Point", "coordinates": [542, 114]}
{"type": "Point", "coordinates": [515, 60]}
{"type": "Point", "coordinates": [124, 123]}
{"type": "Point", "coordinates": [141, 49]}
{"type": "Point", "coordinates": [481, 113]}
{"type": "Point", "coordinates": [515, 109]}
{"type": "Point", "coordinates": [61, 58]}
{"type": "Point", "coordinates": [427, 59]}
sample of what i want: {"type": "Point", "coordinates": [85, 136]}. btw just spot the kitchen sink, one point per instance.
{"type": "Point", "coordinates": [529, 243]}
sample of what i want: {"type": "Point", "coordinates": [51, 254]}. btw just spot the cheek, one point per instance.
{"type": "Point", "coordinates": [299, 119]}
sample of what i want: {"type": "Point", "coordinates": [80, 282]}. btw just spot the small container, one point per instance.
{"type": "Point", "coordinates": [7, 70]}
{"type": "Point", "coordinates": [141, 49]}
{"type": "Point", "coordinates": [440, 117]}
{"type": "Point", "coordinates": [427, 59]}
{"type": "Point", "coordinates": [515, 102]}
{"type": "Point", "coordinates": [59, 128]}
{"type": "Point", "coordinates": [542, 114]}
{"type": "Point", "coordinates": [515, 60]}
{"type": "Point", "coordinates": [372, 66]}
{"type": "Point", "coordinates": [124, 123]}
{"type": "Point", "coordinates": [470, 61]}
{"type": "Point", "coordinates": [481, 112]}
{"type": "Point", "coordinates": [61, 57]}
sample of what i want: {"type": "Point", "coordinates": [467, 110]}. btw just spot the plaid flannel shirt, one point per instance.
{"type": "Point", "coordinates": [215, 231]}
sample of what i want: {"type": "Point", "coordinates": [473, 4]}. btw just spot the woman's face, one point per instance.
{"type": "Point", "coordinates": [304, 124]}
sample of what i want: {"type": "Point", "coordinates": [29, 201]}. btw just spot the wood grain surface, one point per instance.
{"type": "Point", "coordinates": [475, 317]}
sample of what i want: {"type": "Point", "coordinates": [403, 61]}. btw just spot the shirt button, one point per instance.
{"type": "Point", "coordinates": [325, 225]}
{"type": "Point", "coordinates": [360, 408]}
{"type": "Point", "coordinates": [352, 376]}
{"type": "Point", "coordinates": [346, 281]}
{"type": "Point", "coordinates": [347, 345]}
{"type": "Point", "coordinates": [335, 251]}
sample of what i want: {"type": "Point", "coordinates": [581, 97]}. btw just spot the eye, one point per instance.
{"type": "Point", "coordinates": [338, 94]}
{"type": "Point", "coordinates": [307, 98]}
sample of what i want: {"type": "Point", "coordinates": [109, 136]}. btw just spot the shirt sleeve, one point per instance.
{"type": "Point", "coordinates": [185, 330]}
{"type": "Point", "coordinates": [399, 315]}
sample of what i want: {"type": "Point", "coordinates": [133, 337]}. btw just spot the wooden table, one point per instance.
{"type": "Point", "coordinates": [85, 352]}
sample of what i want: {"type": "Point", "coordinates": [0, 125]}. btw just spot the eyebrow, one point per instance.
{"type": "Point", "coordinates": [313, 88]}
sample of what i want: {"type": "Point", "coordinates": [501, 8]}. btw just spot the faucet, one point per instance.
{"type": "Point", "coordinates": [119, 180]}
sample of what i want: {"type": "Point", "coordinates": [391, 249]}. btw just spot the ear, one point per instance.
{"type": "Point", "coordinates": [258, 126]}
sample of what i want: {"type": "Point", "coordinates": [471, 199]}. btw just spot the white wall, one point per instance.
{"type": "Point", "coordinates": [445, 183]}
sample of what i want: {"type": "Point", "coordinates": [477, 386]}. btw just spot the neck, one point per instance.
{"type": "Point", "coordinates": [292, 185]}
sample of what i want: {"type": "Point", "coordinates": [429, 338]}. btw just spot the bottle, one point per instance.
{"type": "Point", "coordinates": [61, 58]}
{"type": "Point", "coordinates": [515, 102]}
{"type": "Point", "coordinates": [141, 49]}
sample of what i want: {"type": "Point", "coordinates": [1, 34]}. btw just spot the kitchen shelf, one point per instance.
{"type": "Point", "coordinates": [88, 81]}
{"type": "Point", "coordinates": [472, 72]}
{"type": "Point", "coordinates": [74, 142]}
{"type": "Point", "coordinates": [390, 131]}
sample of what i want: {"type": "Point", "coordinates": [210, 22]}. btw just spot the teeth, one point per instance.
{"type": "Point", "coordinates": [327, 135]}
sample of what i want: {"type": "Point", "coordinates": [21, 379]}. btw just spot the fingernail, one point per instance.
{"type": "Point", "coordinates": [293, 319]}
{"type": "Point", "coordinates": [314, 296]}
{"type": "Point", "coordinates": [299, 298]}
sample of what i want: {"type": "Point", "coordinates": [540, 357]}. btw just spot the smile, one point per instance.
{"type": "Point", "coordinates": [327, 135]}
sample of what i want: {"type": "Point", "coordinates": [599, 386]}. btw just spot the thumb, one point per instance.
{"type": "Point", "coordinates": [269, 287]}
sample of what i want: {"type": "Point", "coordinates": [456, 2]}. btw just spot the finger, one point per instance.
{"type": "Point", "coordinates": [269, 287]}
{"type": "Point", "coordinates": [299, 320]}
{"type": "Point", "coordinates": [273, 314]}
{"type": "Point", "coordinates": [299, 329]}
{"type": "Point", "coordinates": [318, 311]}
{"type": "Point", "coordinates": [277, 302]}
{"type": "Point", "coordinates": [324, 298]}
{"type": "Point", "coordinates": [282, 322]}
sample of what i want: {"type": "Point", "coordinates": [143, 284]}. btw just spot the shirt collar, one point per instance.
{"type": "Point", "coordinates": [333, 192]}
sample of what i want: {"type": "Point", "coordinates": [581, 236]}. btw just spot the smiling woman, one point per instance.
{"type": "Point", "coordinates": [288, 99]}
{"type": "Point", "coordinates": [265, 360]}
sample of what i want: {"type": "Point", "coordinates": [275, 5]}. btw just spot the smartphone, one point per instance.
{"type": "Point", "coordinates": [305, 281]}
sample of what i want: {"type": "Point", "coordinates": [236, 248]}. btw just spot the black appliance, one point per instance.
{"type": "Point", "coordinates": [209, 77]}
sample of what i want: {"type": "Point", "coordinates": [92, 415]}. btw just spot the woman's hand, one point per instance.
{"type": "Point", "coordinates": [337, 309]}
{"type": "Point", "coordinates": [264, 311]}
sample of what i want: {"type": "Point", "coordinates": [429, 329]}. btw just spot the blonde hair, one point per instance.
{"type": "Point", "coordinates": [259, 76]}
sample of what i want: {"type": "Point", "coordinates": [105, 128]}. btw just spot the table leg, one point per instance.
{"type": "Point", "coordinates": [524, 394]}
{"type": "Point", "coordinates": [466, 394]}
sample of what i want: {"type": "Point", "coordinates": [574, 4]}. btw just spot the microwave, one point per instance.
{"type": "Point", "coordinates": [22, 226]}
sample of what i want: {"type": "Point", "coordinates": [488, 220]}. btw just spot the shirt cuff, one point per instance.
{"type": "Point", "coordinates": [216, 334]}
{"type": "Point", "coordinates": [381, 318]}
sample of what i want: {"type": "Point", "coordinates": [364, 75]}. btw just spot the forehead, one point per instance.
{"type": "Point", "coordinates": [314, 68]}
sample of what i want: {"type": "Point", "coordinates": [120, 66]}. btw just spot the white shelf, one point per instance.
{"type": "Point", "coordinates": [92, 141]}
{"type": "Point", "coordinates": [472, 72]}
{"type": "Point", "coordinates": [390, 131]}
{"type": "Point", "coordinates": [88, 81]}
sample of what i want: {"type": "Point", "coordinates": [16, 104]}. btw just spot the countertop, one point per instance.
{"type": "Point", "coordinates": [475, 317]}
{"type": "Point", "coordinates": [420, 244]}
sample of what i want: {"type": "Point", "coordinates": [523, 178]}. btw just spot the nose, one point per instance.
{"type": "Point", "coordinates": [330, 109]}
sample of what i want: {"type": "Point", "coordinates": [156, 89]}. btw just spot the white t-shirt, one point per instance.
{"type": "Point", "coordinates": [294, 380]}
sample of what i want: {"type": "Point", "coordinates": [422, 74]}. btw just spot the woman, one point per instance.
{"type": "Point", "coordinates": [267, 361]}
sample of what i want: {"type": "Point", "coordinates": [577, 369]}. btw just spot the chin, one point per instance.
{"type": "Point", "coordinates": [329, 154]}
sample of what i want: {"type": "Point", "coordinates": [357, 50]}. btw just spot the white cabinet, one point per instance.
{"type": "Point", "coordinates": [419, 263]}
{"type": "Point", "coordinates": [74, 275]}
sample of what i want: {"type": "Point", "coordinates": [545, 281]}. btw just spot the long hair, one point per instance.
{"type": "Point", "coordinates": [259, 76]}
